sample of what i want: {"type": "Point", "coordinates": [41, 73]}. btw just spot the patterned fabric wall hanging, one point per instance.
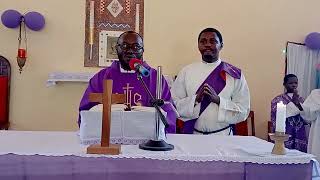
{"type": "Point", "coordinates": [105, 21]}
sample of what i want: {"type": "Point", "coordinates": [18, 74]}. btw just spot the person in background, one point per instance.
{"type": "Point", "coordinates": [295, 124]}
{"type": "Point", "coordinates": [311, 113]}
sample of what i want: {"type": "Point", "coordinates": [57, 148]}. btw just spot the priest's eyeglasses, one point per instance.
{"type": "Point", "coordinates": [127, 47]}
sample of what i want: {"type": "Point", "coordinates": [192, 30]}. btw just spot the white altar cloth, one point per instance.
{"type": "Point", "coordinates": [197, 148]}
{"type": "Point", "coordinates": [127, 127]}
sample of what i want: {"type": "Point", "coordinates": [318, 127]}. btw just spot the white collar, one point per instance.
{"type": "Point", "coordinates": [125, 71]}
{"type": "Point", "coordinates": [290, 94]}
{"type": "Point", "coordinates": [213, 64]}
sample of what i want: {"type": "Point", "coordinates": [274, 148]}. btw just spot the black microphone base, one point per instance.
{"type": "Point", "coordinates": [159, 145]}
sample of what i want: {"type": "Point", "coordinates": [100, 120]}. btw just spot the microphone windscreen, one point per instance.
{"type": "Point", "coordinates": [133, 61]}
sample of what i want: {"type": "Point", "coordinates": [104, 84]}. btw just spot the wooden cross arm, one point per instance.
{"type": "Point", "coordinates": [118, 98]}
{"type": "Point", "coordinates": [115, 98]}
{"type": "Point", "coordinates": [95, 97]}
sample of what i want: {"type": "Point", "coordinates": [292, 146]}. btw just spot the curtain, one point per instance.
{"type": "Point", "coordinates": [302, 62]}
{"type": "Point", "coordinates": [318, 77]}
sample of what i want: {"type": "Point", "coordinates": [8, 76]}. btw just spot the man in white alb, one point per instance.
{"type": "Point", "coordinates": [210, 95]}
{"type": "Point", "coordinates": [311, 113]}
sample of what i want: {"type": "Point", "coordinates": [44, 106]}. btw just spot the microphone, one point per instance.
{"type": "Point", "coordinates": [136, 64]}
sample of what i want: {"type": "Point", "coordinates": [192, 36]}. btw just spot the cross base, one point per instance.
{"type": "Point", "coordinates": [112, 149]}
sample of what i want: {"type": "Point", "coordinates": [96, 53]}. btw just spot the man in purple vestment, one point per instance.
{"type": "Point", "coordinates": [295, 124]}
{"type": "Point", "coordinates": [129, 46]}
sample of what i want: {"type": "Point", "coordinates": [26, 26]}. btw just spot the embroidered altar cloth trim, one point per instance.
{"type": "Point", "coordinates": [196, 148]}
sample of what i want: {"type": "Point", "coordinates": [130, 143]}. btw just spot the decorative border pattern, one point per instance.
{"type": "Point", "coordinates": [124, 141]}
{"type": "Point", "coordinates": [109, 15]}
{"type": "Point", "coordinates": [114, 25]}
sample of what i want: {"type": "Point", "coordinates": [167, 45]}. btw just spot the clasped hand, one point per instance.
{"type": "Point", "coordinates": [296, 101]}
{"type": "Point", "coordinates": [295, 97]}
{"type": "Point", "coordinates": [207, 91]}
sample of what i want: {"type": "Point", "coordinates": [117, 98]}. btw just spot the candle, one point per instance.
{"type": "Point", "coordinates": [22, 53]}
{"type": "Point", "coordinates": [281, 117]}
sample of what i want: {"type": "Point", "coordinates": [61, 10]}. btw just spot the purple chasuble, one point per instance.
{"type": "Point", "coordinates": [127, 83]}
{"type": "Point", "coordinates": [217, 80]}
{"type": "Point", "coordinates": [295, 125]}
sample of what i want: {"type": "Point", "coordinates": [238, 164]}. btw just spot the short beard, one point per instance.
{"type": "Point", "coordinates": [125, 66]}
{"type": "Point", "coordinates": [290, 90]}
{"type": "Point", "coordinates": [209, 58]}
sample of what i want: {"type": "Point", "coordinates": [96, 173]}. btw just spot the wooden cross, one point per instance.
{"type": "Point", "coordinates": [106, 98]}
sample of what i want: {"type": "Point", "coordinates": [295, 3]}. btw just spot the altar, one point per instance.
{"type": "Point", "coordinates": [37, 155]}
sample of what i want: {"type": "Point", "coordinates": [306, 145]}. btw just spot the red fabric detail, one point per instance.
{"type": "Point", "coordinates": [3, 99]}
{"type": "Point", "coordinates": [180, 124]}
{"type": "Point", "coordinates": [223, 75]}
{"type": "Point", "coordinates": [242, 128]}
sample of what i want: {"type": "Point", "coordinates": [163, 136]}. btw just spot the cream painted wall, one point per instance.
{"type": "Point", "coordinates": [255, 33]}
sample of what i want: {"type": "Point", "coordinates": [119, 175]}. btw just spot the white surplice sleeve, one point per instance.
{"type": "Point", "coordinates": [237, 108]}
{"type": "Point", "coordinates": [185, 104]}
{"type": "Point", "coordinates": [311, 106]}
{"type": "Point", "coordinates": [292, 110]}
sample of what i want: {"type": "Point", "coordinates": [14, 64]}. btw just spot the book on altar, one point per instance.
{"type": "Point", "coordinates": [127, 127]}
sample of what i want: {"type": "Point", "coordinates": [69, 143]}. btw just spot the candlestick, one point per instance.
{"type": "Point", "coordinates": [279, 138]}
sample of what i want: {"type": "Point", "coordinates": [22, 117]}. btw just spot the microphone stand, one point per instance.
{"type": "Point", "coordinates": [154, 102]}
{"type": "Point", "coordinates": [156, 144]}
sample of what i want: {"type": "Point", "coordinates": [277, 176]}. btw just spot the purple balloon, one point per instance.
{"type": "Point", "coordinates": [11, 18]}
{"type": "Point", "coordinates": [312, 40]}
{"type": "Point", "coordinates": [34, 21]}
